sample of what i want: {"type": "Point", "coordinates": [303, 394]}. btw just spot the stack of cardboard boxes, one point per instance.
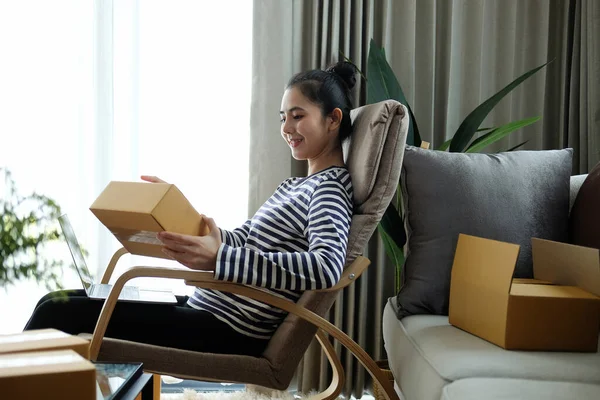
{"type": "Point", "coordinates": [46, 364]}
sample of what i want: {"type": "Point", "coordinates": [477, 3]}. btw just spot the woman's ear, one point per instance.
{"type": "Point", "coordinates": [335, 118]}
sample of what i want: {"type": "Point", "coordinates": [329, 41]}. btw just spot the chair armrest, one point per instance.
{"type": "Point", "coordinates": [350, 274]}
{"type": "Point", "coordinates": [138, 272]}
{"type": "Point", "coordinates": [111, 265]}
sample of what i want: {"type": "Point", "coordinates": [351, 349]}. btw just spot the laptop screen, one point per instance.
{"type": "Point", "coordinates": [76, 253]}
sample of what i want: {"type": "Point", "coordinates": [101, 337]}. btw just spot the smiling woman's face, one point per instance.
{"type": "Point", "coordinates": [303, 126]}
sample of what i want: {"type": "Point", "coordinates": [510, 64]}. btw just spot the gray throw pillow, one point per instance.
{"type": "Point", "coordinates": [510, 197]}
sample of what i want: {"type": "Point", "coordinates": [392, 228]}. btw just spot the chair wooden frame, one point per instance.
{"type": "Point", "coordinates": [206, 280]}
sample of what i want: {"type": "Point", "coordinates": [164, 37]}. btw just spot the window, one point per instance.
{"type": "Point", "coordinates": [104, 90]}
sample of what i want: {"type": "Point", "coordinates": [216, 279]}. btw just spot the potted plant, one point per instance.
{"type": "Point", "coordinates": [27, 225]}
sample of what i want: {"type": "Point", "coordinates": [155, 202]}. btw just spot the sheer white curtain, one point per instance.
{"type": "Point", "coordinates": [93, 91]}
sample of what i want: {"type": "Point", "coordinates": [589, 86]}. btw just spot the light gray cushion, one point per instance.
{"type": "Point", "coordinates": [518, 389]}
{"type": "Point", "coordinates": [426, 353]}
{"type": "Point", "coordinates": [510, 197]}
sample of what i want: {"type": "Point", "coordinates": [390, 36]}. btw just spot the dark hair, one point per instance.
{"type": "Point", "coordinates": [329, 89]}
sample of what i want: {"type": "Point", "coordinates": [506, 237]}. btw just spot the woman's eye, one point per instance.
{"type": "Point", "coordinates": [282, 120]}
{"type": "Point", "coordinates": [298, 116]}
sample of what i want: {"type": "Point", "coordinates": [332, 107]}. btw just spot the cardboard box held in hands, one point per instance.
{"type": "Point", "coordinates": [559, 310]}
{"type": "Point", "coordinates": [43, 340]}
{"type": "Point", "coordinates": [136, 211]}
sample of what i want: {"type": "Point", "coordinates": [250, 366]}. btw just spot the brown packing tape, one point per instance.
{"type": "Point", "coordinates": [136, 236]}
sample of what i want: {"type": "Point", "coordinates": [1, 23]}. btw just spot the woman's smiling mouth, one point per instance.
{"type": "Point", "coordinates": [295, 142]}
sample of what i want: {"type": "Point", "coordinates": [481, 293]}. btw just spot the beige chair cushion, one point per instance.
{"type": "Point", "coordinates": [374, 157]}
{"type": "Point", "coordinates": [363, 152]}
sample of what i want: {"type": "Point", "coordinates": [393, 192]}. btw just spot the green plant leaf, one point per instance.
{"type": "Point", "coordinates": [383, 85]}
{"type": "Point", "coordinates": [355, 66]}
{"type": "Point", "coordinates": [392, 224]}
{"type": "Point", "coordinates": [444, 146]}
{"type": "Point", "coordinates": [499, 133]}
{"type": "Point", "coordinates": [395, 253]}
{"type": "Point", "coordinates": [517, 146]}
{"type": "Point", "coordinates": [468, 127]}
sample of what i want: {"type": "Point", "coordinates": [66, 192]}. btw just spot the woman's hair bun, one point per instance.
{"type": "Point", "coordinates": [346, 71]}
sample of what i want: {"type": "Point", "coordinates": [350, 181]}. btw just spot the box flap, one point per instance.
{"type": "Point", "coordinates": [566, 264]}
{"type": "Point", "coordinates": [482, 268]}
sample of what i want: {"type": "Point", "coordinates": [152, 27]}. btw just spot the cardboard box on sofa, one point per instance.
{"type": "Point", "coordinates": [41, 340]}
{"type": "Point", "coordinates": [136, 211]}
{"type": "Point", "coordinates": [47, 375]}
{"type": "Point", "coordinates": [557, 310]}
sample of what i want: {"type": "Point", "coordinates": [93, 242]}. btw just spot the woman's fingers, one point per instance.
{"type": "Point", "coordinates": [182, 258]}
{"type": "Point", "coordinates": [178, 247]}
{"type": "Point", "coordinates": [176, 237]}
{"type": "Point", "coordinates": [151, 178]}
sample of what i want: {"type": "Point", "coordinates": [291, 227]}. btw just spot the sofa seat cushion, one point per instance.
{"type": "Point", "coordinates": [518, 389]}
{"type": "Point", "coordinates": [426, 353]}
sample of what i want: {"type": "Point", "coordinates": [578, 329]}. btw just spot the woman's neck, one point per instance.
{"type": "Point", "coordinates": [334, 159]}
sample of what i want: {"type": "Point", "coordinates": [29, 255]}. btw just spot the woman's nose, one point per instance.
{"type": "Point", "coordinates": [287, 127]}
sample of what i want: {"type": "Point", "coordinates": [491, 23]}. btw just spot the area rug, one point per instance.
{"type": "Point", "coordinates": [189, 394]}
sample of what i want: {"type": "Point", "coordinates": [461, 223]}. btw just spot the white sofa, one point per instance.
{"type": "Point", "coordinates": [433, 360]}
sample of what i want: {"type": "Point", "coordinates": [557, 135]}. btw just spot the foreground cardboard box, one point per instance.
{"type": "Point", "coordinates": [136, 211]}
{"type": "Point", "coordinates": [43, 339]}
{"type": "Point", "coordinates": [47, 375]}
{"type": "Point", "coordinates": [558, 310]}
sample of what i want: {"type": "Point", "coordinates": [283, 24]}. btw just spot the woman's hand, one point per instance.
{"type": "Point", "coordinates": [195, 252]}
{"type": "Point", "coordinates": [153, 179]}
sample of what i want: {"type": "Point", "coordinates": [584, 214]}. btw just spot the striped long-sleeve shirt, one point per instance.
{"type": "Point", "coordinates": [296, 241]}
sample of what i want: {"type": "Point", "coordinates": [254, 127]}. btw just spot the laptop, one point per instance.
{"type": "Point", "coordinates": [101, 291]}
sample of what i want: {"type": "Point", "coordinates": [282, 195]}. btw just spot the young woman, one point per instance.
{"type": "Point", "coordinates": [295, 242]}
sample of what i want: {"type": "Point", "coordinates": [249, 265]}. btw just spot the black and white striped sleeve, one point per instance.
{"type": "Point", "coordinates": [237, 237]}
{"type": "Point", "coordinates": [327, 228]}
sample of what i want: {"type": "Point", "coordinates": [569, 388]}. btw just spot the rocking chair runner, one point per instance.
{"type": "Point", "coordinates": [374, 158]}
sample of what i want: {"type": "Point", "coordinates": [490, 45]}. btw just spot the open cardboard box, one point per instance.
{"type": "Point", "coordinates": [557, 310]}
{"type": "Point", "coordinates": [136, 211]}
{"type": "Point", "coordinates": [43, 340]}
{"type": "Point", "coordinates": [47, 375]}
